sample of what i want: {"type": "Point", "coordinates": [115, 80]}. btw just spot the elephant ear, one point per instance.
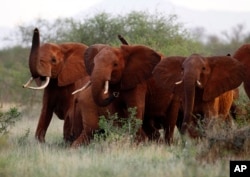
{"type": "Point", "coordinates": [90, 54]}
{"type": "Point", "coordinates": [242, 54]}
{"type": "Point", "coordinates": [73, 67]}
{"type": "Point", "coordinates": [168, 72]}
{"type": "Point", "coordinates": [226, 74]}
{"type": "Point", "coordinates": [139, 64]}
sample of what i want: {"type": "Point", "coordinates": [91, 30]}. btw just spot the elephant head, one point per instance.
{"type": "Point", "coordinates": [114, 69]}
{"type": "Point", "coordinates": [63, 61]}
{"type": "Point", "coordinates": [204, 78]}
{"type": "Point", "coordinates": [242, 54]}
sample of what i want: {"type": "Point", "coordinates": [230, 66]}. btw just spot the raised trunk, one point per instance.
{"type": "Point", "coordinates": [34, 53]}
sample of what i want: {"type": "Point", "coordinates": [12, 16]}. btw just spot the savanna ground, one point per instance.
{"type": "Point", "coordinates": [22, 155]}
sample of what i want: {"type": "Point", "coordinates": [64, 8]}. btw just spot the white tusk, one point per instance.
{"type": "Point", "coordinates": [106, 87]}
{"type": "Point", "coordinates": [28, 83]}
{"type": "Point", "coordinates": [38, 88]}
{"type": "Point", "coordinates": [83, 88]}
{"type": "Point", "coordinates": [199, 83]}
{"type": "Point", "coordinates": [179, 82]}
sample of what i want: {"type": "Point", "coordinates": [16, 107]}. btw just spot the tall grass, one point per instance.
{"type": "Point", "coordinates": [118, 158]}
{"type": "Point", "coordinates": [22, 155]}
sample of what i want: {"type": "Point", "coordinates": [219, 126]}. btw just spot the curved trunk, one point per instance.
{"type": "Point", "coordinates": [101, 96]}
{"type": "Point", "coordinates": [34, 52]}
{"type": "Point", "coordinates": [189, 93]}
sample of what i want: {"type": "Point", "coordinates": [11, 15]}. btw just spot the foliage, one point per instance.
{"type": "Point", "coordinates": [159, 31]}
{"type": "Point", "coordinates": [15, 72]}
{"type": "Point", "coordinates": [228, 42]}
{"type": "Point", "coordinates": [242, 108]}
{"type": "Point", "coordinates": [50, 31]}
{"type": "Point", "coordinates": [115, 128]}
{"type": "Point", "coordinates": [24, 138]}
{"type": "Point", "coordinates": [8, 119]}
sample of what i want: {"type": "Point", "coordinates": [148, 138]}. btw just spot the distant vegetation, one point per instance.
{"type": "Point", "coordinates": [161, 32]}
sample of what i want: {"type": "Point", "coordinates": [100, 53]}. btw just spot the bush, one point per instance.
{"type": "Point", "coordinates": [114, 128]}
{"type": "Point", "coordinates": [8, 119]}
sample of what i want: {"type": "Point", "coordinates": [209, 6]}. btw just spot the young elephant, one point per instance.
{"type": "Point", "coordinates": [118, 81]}
{"type": "Point", "coordinates": [205, 88]}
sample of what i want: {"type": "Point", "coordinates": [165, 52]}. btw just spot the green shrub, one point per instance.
{"type": "Point", "coordinates": [114, 128]}
{"type": "Point", "coordinates": [8, 119]}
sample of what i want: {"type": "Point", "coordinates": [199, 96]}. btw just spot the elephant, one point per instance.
{"type": "Point", "coordinates": [118, 78]}
{"type": "Point", "coordinates": [186, 87]}
{"type": "Point", "coordinates": [208, 84]}
{"type": "Point", "coordinates": [242, 54]}
{"type": "Point", "coordinates": [162, 104]}
{"type": "Point", "coordinates": [62, 68]}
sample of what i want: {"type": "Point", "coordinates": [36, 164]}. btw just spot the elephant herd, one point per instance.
{"type": "Point", "coordinates": [82, 82]}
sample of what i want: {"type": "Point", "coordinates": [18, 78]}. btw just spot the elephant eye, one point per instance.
{"type": "Point", "coordinates": [115, 64]}
{"type": "Point", "coordinates": [53, 60]}
{"type": "Point", "coordinates": [203, 68]}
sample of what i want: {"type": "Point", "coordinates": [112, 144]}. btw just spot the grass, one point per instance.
{"type": "Point", "coordinates": [22, 155]}
{"type": "Point", "coordinates": [114, 159]}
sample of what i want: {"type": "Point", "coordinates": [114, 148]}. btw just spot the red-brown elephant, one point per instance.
{"type": "Point", "coordinates": [242, 54]}
{"type": "Point", "coordinates": [62, 68]}
{"type": "Point", "coordinates": [205, 89]}
{"type": "Point", "coordinates": [118, 78]}
{"type": "Point", "coordinates": [162, 104]}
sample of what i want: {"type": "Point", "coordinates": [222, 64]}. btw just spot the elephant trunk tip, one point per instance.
{"type": "Point", "coordinates": [36, 30]}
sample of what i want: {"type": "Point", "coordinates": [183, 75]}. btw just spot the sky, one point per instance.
{"type": "Point", "coordinates": [219, 5]}
{"type": "Point", "coordinates": [213, 15]}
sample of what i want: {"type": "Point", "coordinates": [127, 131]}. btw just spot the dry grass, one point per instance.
{"type": "Point", "coordinates": [22, 155]}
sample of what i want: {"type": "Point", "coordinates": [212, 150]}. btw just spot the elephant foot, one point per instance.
{"type": "Point", "coordinates": [154, 136]}
{"type": "Point", "coordinates": [40, 140]}
{"type": "Point", "coordinates": [69, 139]}
{"type": "Point", "coordinates": [40, 137]}
{"type": "Point", "coordinates": [75, 145]}
{"type": "Point", "coordinates": [83, 139]}
{"type": "Point", "coordinates": [140, 136]}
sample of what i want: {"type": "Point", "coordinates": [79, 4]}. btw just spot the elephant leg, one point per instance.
{"type": "Point", "coordinates": [44, 121]}
{"type": "Point", "coordinates": [150, 130]}
{"type": "Point", "coordinates": [171, 120]}
{"type": "Point", "coordinates": [67, 135]}
{"type": "Point", "coordinates": [89, 114]}
{"type": "Point", "coordinates": [72, 124]}
{"type": "Point", "coordinates": [247, 87]}
{"type": "Point", "coordinates": [211, 112]}
{"type": "Point", "coordinates": [88, 131]}
{"type": "Point", "coordinates": [136, 98]}
{"type": "Point", "coordinates": [225, 103]}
